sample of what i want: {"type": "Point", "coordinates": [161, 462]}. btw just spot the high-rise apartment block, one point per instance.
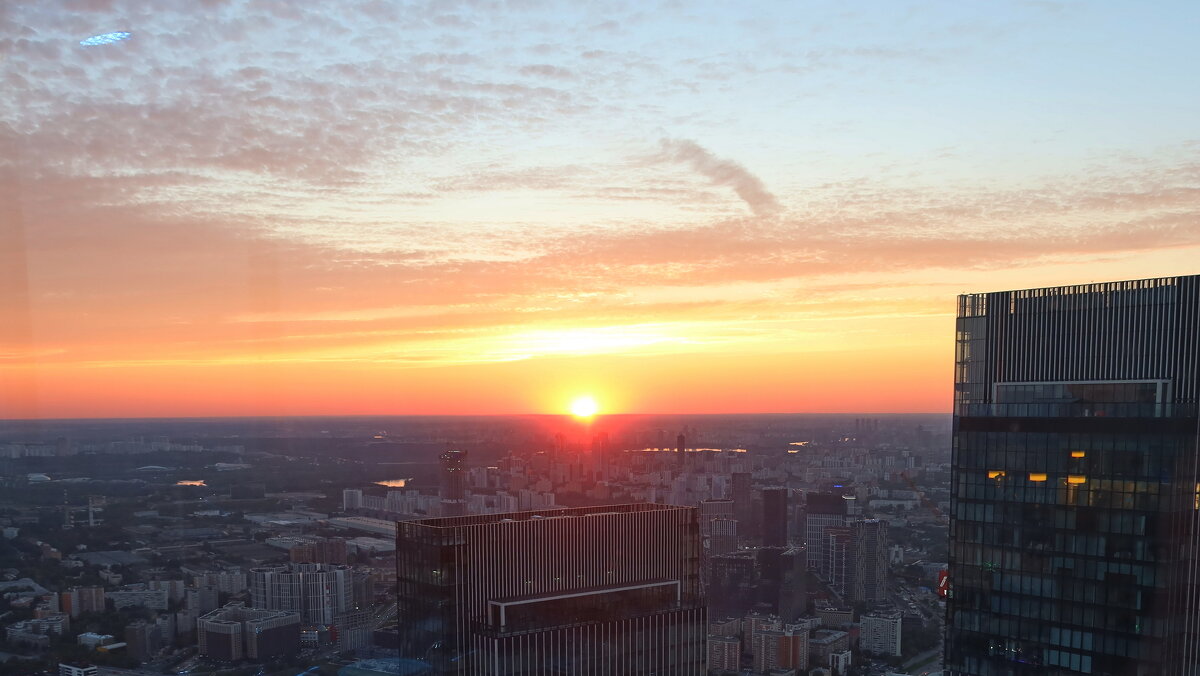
{"type": "Point", "coordinates": [879, 634]}
{"type": "Point", "coordinates": [856, 560]}
{"type": "Point", "coordinates": [724, 536]}
{"type": "Point", "coordinates": [732, 583]}
{"type": "Point", "coordinates": [742, 493]}
{"type": "Point", "coordinates": [203, 598]}
{"type": "Point", "coordinates": [870, 541]}
{"type": "Point", "coordinates": [232, 581]}
{"type": "Point", "coordinates": [784, 580]}
{"type": "Point", "coordinates": [711, 510]}
{"type": "Point", "coordinates": [318, 592]}
{"type": "Point", "coordinates": [840, 560]}
{"type": "Point", "coordinates": [595, 590]}
{"type": "Point", "coordinates": [1076, 499]}
{"type": "Point", "coordinates": [775, 516]}
{"type": "Point", "coordinates": [822, 512]}
{"type": "Point", "coordinates": [780, 647]}
{"type": "Point", "coordinates": [724, 654]}
{"type": "Point", "coordinates": [143, 640]}
{"type": "Point", "coordinates": [769, 579]}
{"type": "Point", "coordinates": [79, 600]}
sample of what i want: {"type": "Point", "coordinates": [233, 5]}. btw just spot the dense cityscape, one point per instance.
{"type": "Point", "coordinates": [154, 553]}
{"type": "Point", "coordinates": [1054, 538]}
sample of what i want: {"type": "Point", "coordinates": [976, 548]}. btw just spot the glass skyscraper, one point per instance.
{"type": "Point", "coordinates": [1073, 538]}
{"type": "Point", "coordinates": [587, 591]}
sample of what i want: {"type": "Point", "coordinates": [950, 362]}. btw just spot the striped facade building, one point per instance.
{"type": "Point", "coordinates": [1075, 537]}
{"type": "Point", "coordinates": [594, 590]}
{"type": "Point", "coordinates": [318, 592]}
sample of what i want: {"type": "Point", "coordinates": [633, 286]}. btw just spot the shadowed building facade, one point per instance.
{"type": "Point", "coordinates": [1073, 541]}
{"type": "Point", "coordinates": [595, 590]}
{"type": "Point", "coordinates": [454, 482]}
{"type": "Point", "coordinates": [234, 632]}
{"type": "Point", "coordinates": [823, 511]}
{"type": "Point", "coordinates": [775, 516]}
{"type": "Point", "coordinates": [742, 494]}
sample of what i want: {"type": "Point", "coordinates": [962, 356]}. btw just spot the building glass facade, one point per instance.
{"type": "Point", "coordinates": [597, 590]}
{"type": "Point", "coordinates": [1073, 537]}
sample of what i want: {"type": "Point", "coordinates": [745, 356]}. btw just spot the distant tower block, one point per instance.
{"type": "Point", "coordinates": [600, 445]}
{"type": "Point", "coordinates": [68, 513]}
{"type": "Point", "coordinates": [724, 538]}
{"type": "Point", "coordinates": [743, 502]}
{"type": "Point", "coordinates": [95, 504]}
{"type": "Point", "coordinates": [775, 516]}
{"type": "Point", "coordinates": [680, 450]}
{"type": "Point", "coordinates": [713, 509]}
{"type": "Point", "coordinates": [454, 483]}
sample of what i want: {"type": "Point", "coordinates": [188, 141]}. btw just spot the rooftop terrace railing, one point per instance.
{"type": "Point", "coordinates": [1091, 409]}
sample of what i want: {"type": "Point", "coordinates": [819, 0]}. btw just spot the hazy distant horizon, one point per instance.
{"type": "Point", "coordinates": [468, 416]}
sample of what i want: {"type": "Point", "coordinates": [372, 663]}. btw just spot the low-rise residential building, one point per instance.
{"type": "Point", "coordinates": [835, 618]}
{"type": "Point", "coordinates": [92, 640]}
{"type": "Point", "coordinates": [37, 632]}
{"type": "Point", "coordinates": [825, 642]}
{"type": "Point", "coordinates": [234, 632]}
{"type": "Point", "coordinates": [154, 599]}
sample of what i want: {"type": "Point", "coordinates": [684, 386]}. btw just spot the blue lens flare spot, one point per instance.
{"type": "Point", "coordinates": [105, 39]}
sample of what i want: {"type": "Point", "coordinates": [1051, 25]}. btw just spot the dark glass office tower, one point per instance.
{"type": "Point", "coordinates": [869, 538]}
{"type": "Point", "coordinates": [1073, 539]}
{"type": "Point", "coordinates": [592, 590]}
{"type": "Point", "coordinates": [454, 483]}
{"type": "Point", "coordinates": [822, 512]}
{"type": "Point", "coordinates": [775, 516]}
{"type": "Point", "coordinates": [742, 494]}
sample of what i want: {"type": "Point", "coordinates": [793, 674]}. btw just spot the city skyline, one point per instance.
{"type": "Point", "coordinates": [256, 209]}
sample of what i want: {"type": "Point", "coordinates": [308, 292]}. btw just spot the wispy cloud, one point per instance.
{"type": "Point", "coordinates": [723, 172]}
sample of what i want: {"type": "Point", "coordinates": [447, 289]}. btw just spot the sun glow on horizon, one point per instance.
{"type": "Point", "coordinates": [584, 407]}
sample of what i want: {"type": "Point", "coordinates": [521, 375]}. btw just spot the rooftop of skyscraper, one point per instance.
{"type": "Point", "coordinates": [556, 513]}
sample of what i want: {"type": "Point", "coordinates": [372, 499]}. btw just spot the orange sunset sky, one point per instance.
{"type": "Point", "coordinates": [276, 208]}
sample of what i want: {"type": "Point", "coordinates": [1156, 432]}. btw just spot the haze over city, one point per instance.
{"type": "Point", "coordinates": [255, 208]}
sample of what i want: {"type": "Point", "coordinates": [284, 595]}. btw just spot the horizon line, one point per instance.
{"type": "Point", "coordinates": [467, 415]}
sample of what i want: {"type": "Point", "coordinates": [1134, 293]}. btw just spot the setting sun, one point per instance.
{"type": "Point", "coordinates": [584, 407]}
